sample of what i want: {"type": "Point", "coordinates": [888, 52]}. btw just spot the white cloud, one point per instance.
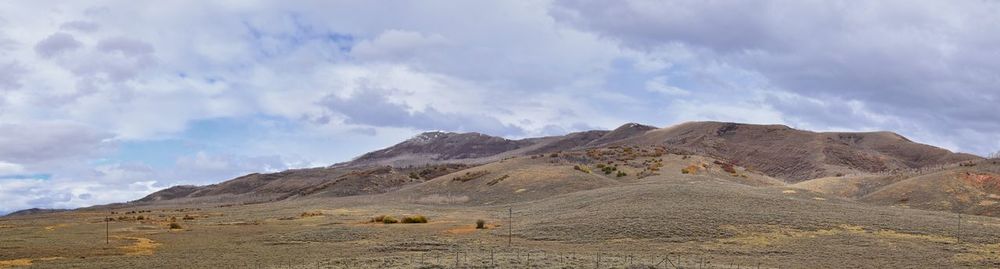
{"type": "Point", "coordinates": [659, 84]}
{"type": "Point", "coordinates": [395, 45]}
{"type": "Point", "coordinates": [7, 168]}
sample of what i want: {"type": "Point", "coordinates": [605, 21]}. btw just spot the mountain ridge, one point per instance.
{"type": "Point", "coordinates": [779, 151]}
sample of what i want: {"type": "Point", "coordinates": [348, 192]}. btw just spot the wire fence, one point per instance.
{"type": "Point", "coordinates": [521, 258]}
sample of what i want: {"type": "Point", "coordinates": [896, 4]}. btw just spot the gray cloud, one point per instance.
{"type": "Point", "coordinates": [82, 26]}
{"type": "Point", "coordinates": [205, 168]}
{"type": "Point", "coordinates": [931, 63]}
{"type": "Point", "coordinates": [50, 141]}
{"type": "Point", "coordinates": [126, 46]}
{"type": "Point", "coordinates": [10, 76]}
{"type": "Point", "coordinates": [371, 107]}
{"type": "Point", "coordinates": [55, 44]}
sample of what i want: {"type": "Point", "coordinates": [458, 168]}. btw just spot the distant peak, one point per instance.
{"type": "Point", "coordinates": [632, 125]}
{"type": "Point", "coordinates": [429, 136]}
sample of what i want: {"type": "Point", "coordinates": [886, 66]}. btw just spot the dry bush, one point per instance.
{"type": "Point", "coordinates": [389, 220]}
{"type": "Point", "coordinates": [480, 224]}
{"type": "Point", "coordinates": [582, 168]}
{"type": "Point", "coordinates": [621, 174]}
{"type": "Point", "coordinates": [414, 219]}
{"type": "Point", "coordinates": [690, 169]}
{"type": "Point", "coordinates": [497, 180]}
{"type": "Point", "coordinates": [188, 217]}
{"type": "Point", "coordinates": [471, 175]}
{"type": "Point", "coordinates": [175, 226]}
{"type": "Point", "coordinates": [311, 214]}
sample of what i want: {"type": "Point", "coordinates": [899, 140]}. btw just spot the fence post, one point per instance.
{"type": "Point", "coordinates": [598, 261]}
{"type": "Point", "coordinates": [958, 235]}
{"type": "Point", "coordinates": [510, 225]}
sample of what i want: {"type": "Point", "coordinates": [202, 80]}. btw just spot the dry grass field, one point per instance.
{"type": "Point", "coordinates": [665, 221]}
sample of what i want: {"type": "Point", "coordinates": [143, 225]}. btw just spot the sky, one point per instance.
{"type": "Point", "coordinates": [108, 101]}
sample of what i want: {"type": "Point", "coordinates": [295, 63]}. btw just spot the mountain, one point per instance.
{"type": "Point", "coordinates": [778, 152]}
{"type": "Point", "coordinates": [34, 211]}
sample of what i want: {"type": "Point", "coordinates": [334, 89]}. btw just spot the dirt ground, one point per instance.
{"type": "Point", "coordinates": [655, 222]}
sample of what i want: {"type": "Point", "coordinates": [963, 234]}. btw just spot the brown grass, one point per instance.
{"type": "Point", "coordinates": [414, 219]}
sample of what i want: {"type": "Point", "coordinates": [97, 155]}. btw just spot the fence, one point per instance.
{"type": "Point", "coordinates": [522, 258]}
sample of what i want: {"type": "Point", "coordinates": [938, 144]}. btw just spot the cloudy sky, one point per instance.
{"type": "Point", "coordinates": [107, 101]}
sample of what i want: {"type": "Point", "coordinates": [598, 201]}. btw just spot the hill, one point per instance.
{"type": "Point", "coordinates": [774, 152]}
{"type": "Point", "coordinates": [797, 155]}
{"type": "Point", "coordinates": [970, 188]}
{"type": "Point", "coordinates": [34, 211]}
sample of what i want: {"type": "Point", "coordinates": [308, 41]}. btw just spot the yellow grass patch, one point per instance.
{"type": "Point", "coordinates": [24, 262]}
{"type": "Point", "coordinates": [16, 262]}
{"type": "Point", "coordinates": [819, 198]}
{"type": "Point", "coordinates": [979, 253]}
{"type": "Point", "coordinates": [53, 227]}
{"type": "Point", "coordinates": [788, 191]}
{"type": "Point", "coordinates": [908, 236]}
{"type": "Point", "coordinates": [142, 246]}
{"type": "Point", "coordinates": [778, 235]}
{"type": "Point", "coordinates": [345, 211]}
{"type": "Point", "coordinates": [520, 190]}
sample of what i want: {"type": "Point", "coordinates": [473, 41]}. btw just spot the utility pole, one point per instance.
{"type": "Point", "coordinates": [959, 234]}
{"type": "Point", "coordinates": [107, 230]}
{"type": "Point", "coordinates": [510, 225]}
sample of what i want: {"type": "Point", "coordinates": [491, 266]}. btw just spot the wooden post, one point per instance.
{"type": "Point", "coordinates": [959, 234]}
{"type": "Point", "coordinates": [510, 225]}
{"type": "Point", "coordinates": [107, 230]}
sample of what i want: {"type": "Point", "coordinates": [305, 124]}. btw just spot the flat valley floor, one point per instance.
{"type": "Point", "coordinates": [656, 222]}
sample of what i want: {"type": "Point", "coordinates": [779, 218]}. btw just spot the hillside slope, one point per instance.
{"type": "Point", "coordinates": [972, 188]}
{"type": "Point", "coordinates": [796, 155]}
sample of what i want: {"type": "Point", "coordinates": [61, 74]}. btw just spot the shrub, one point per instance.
{"type": "Point", "coordinates": [621, 174]}
{"type": "Point", "coordinates": [497, 180]}
{"type": "Point", "coordinates": [188, 217]}
{"type": "Point", "coordinates": [583, 168]}
{"type": "Point", "coordinates": [480, 224]}
{"type": "Point", "coordinates": [175, 226]}
{"type": "Point", "coordinates": [470, 175]}
{"type": "Point", "coordinates": [729, 168]}
{"type": "Point", "coordinates": [378, 218]}
{"type": "Point", "coordinates": [415, 219]}
{"type": "Point", "coordinates": [414, 175]}
{"type": "Point", "coordinates": [691, 169]}
{"type": "Point", "coordinates": [553, 155]}
{"type": "Point", "coordinates": [311, 214]}
{"type": "Point", "coordinates": [389, 220]}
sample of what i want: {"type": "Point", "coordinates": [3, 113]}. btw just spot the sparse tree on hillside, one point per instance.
{"type": "Point", "coordinates": [995, 155]}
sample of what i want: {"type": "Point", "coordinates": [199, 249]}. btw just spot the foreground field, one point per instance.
{"type": "Point", "coordinates": [661, 222]}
